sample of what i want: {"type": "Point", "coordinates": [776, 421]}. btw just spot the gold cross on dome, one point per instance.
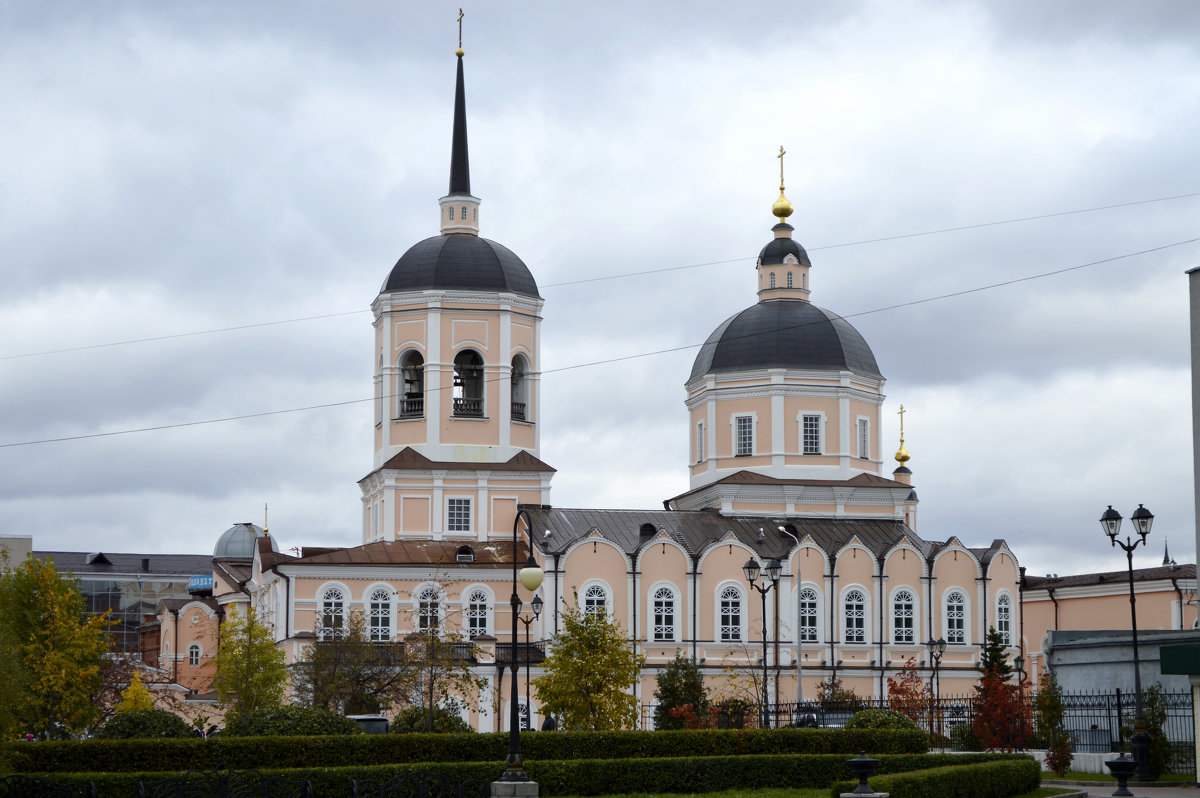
{"type": "Point", "coordinates": [901, 414]}
{"type": "Point", "coordinates": [782, 152]}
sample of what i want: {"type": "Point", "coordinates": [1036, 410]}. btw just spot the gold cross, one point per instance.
{"type": "Point", "coordinates": [782, 152]}
{"type": "Point", "coordinates": [901, 414]}
{"type": "Point", "coordinates": [460, 16]}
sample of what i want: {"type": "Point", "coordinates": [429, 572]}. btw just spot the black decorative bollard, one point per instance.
{"type": "Point", "coordinates": [1122, 768]}
{"type": "Point", "coordinates": [863, 767]}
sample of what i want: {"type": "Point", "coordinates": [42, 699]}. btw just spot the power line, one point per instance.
{"type": "Point", "coordinates": [590, 364]}
{"type": "Point", "coordinates": [663, 270]}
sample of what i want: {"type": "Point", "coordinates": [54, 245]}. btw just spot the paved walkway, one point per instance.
{"type": "Point", "coordinates": [1098, 789]}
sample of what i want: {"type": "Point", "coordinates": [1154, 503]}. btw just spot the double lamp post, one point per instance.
{"type": "Point", "coordinates": [773, 570]}
{"type": "Point", "coordinates": [531, 577]}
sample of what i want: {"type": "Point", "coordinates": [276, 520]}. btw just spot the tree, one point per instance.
{"type": "Point", "coordinates": [250, 670]}
{"type": "Point", "coordinates": [444, 679]}
{"type": "Point", "coordinates": [994, 659]}
{"type": "Point", "coordinates": [1051, 726]}
{"type": "Point", "coordinates": [833, 696]}
{"type": "Point", "coordinates": [347, 673]}
{"type": "Point", "coordinates": [590, 674]}
{"type": "Point", "coordinates": [680, 687]}
{"type": "Point", "coordinates": [910, 694]}
{"type": "Point", "coordinates": [135, 697]}
{"type": "Point", "coordinates": [51, 652]}
{"type": "Point", "coordinates": [1001, 713]}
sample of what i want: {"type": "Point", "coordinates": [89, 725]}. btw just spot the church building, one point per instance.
{"type": "Point", "coordinates": [789, 490]}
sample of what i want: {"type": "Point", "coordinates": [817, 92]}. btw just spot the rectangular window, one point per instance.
{"type": "Point", "coordinates": [458, 515]}
{"type": "Point", "coordinates": [864, 439]}
{"type": "Point", "coordinates": [812, 434]}
{"type": "Point", "coordinates": [700, 442]}
{"type": "Point", "coordinates": [808, 616]}
{"type": "Point", "coordinates": [744, 435]}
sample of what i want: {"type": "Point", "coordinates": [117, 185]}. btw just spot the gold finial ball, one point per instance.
{"type": "Point", "coordinates": [460, 52]}
{"type": "Point", "coordinates": [902, 455]}
{"type": "Point", "coordinates": [782, 207]}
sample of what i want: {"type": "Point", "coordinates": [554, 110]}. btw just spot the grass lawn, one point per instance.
{"type": "Point", "coordinates": [1041, 792]}
{"type": "Point", "coordinates": [1072, 775]}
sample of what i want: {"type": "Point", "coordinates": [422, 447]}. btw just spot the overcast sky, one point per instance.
{"type": "Point", "coordinates": [180, 168]}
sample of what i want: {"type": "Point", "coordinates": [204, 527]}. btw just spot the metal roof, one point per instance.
{"type": "Point", "coordinates": [82, 563]}
{"type": "Point", "coordinates": [461, 262]}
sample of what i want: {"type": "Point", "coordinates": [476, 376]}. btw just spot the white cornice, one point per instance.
{"type": "Point", "coordinates": [801, 375]}
{"type": "Point", "coordinates": [413, 301]}
{"type": "Point", "coordinates": [1115, 588]}
{"type": "Point", "coordinates": [720, 394]}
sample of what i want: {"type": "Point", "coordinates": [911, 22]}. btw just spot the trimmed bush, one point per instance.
{"type": "Point", "coordinates": [412, 719]}
{"type": "Point", "coordinates": [380, 749]}
{"type": "Point", "coordinates": [143, 723]}
{"type": "Point", "coordinates": [880, 719]}
{"type": "Point", "coordinates": [289, 721]}
{"type": "Point", "coordinates": [999, 779]}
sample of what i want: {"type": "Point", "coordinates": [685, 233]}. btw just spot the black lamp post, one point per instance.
{"type": "Point", "coordinates": [936, 649]}
{"type": "Point", "coordinates": [531, 577]}
{"type": "Point", "coordinates": [536, 604]}
{"type": "Point", "coordinates": [1111, 523]}
{"type": "Point", "coordinates": [751, 570]}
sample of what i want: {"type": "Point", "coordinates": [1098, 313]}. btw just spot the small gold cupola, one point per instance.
{"type": "Point", "coordinates": [783, 264]}
{"type": "Point", "coordinates": [902, 472]}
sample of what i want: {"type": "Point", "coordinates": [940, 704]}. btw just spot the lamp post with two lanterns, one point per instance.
{"type": "Point", "coordinates": [531, 577]}
{"type": "Point", "coordinates": [536, 606]}
{"type": "Point", "coordinates": [1142, 520]}
{"type": "Point", "coordinates": [773, 570]}
{"type": "Point", "coordinates": [936, 649]}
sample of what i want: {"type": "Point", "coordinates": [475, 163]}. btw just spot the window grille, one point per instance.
{"type": "Point", "coordinates": [379, 609]}
{"type": "Point", "coordinates": [956, 617]}
{"type": "Point", "coordinates": [595, 600]}
{"type": "Point", "coordinates": [812, 434]}
{"type": "Point", "coordinates": [856, 615]}
{"type": "Point", "coordinates": [808, 615]}
{"type": "Point", "coordinates": [745, 435]}
{"type": "Point", "coordinates": [731, 614]}
{"type": "Point", "coordinates": [902, 616]}
{"type": "Point", "coordinates": [458, 515]}
{"type": "Point", "coordinates": [1004, 619]}
{"type": "Point", "coordinates": [664, 614]}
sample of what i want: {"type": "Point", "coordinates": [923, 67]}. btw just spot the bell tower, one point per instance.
{"type": "Point", "coordinates": [457, 333]}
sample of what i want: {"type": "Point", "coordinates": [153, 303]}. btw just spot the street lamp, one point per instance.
{"type": "Point", "coordinates": [531, 577]}
{"type": "Point", "coordinates": [773, 570]}
{"type": "Point", "coordinates": [936, 649]}
{"type": "Point", "coordinates": [1110, 522]}
{"type": "Point", "coordinates": [536, 604]}
{"type": "Point", "coordinates": [1019, 664]}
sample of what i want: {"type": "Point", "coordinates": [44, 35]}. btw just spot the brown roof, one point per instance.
{"type": "Point", "coordinates": [409, 458]}
{"type": "Point", "coordinates": [754, 478]}
{"type": "Point", "coordinates": [489, 554]}
{"type": "Point", "coordinates": [1164, 572]}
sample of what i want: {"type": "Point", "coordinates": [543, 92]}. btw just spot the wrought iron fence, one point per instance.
{"type": "Point", "coordinates": [1097, 722]}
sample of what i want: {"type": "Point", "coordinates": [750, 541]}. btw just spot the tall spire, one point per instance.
{"type": "Point", "coordinates": [459, 210]}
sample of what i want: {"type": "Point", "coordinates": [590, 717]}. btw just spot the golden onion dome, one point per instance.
{"type": "Point", "coordinates": [902, 455]}
{"type": "Point", "coordinates": [783, 207]}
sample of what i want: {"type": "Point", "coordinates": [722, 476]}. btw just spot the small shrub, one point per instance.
{"type": "Point", "coordinates": [289, 721]}
{"type": "Point", "coordinates": [141, 723]}
{"type": "Point", "coordinates": [444, 721]}
{"type": "Point", "coordinates": [880, 719]}
{"type": "Point", "coordinates": [963, 738]}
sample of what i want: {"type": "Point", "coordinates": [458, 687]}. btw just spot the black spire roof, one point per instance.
{"type": "Point", "coordinates": [460, 167]}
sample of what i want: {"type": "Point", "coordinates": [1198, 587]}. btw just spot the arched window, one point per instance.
{"type": "Point", "coordinates": [450, 213]}
{"type": "Point", "coordinates": [789, 281]}
{"type": "Point", "coordinates": [477, 613]}
{"type": "Point", "coordinates": [523, 715]}
{"type": "Point", "coordinates": [956, 617]}
{"type": "Point", "coordinates": [855, 606]}
{"type": "Point", "coordinates": [429, 609]}
{"type": "Point", "coordinates": [464, 213]}
{"type": "Point", "coordinates": [804, 281]}
{"type": "Point", "coordinates": [772, 280]}
{"type": "Point", "coordinates": [468, 384]}
{"type": "Point", "coordinates": [903, 615]}
{"type": "Point", "coordinates": [808, 615]}
{"type": "Point", "coordinates": [731, 613]}
{"type": "Point", "coordinates": [333, 613]}
{"type": "Point", "coordinates": [595, 600]}
{"type": "Point", "coordinates": [412, 391]}
{"type": "Point", "coordinates": [1004, 618]}
{"type": "Point", "coordinates": [520, 388]}
{"type": "Point", "coordinates": [664, 614]}
{"type": "Point", "coordinates": [379, 612]}
{"type": "Point", "coordinates": [193, 654]}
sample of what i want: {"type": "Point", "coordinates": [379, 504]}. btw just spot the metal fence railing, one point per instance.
{"type": "Point", "coordinates": [1097, 722]}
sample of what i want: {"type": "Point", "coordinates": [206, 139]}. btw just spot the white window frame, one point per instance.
{"type": "Point", "coordinates": [864, 628]}
{"type": "Point", "coordinates": [862, 438]}
{"type": "Point", "coordinates": [469, 503]}
{"type": "Point", "coordinates": [964, 627]}
{"type": "Point", "coordinates": [1004, 601]}
{"type": "Point", "coordinates": [721, 630]}
{"type": "Point", "coordinates": [801, 417]}
{"type": "Point", "coordinates": [419, 597]}
{"type": "Point", "coordinates": [699, 441]}
{"type": "Point", "coordinates": [328, 610]}
{"type": "Point", "coordinates": [591, 590]}
{"type": "Point", "coordinates": [469, 615]}
{"type": "Point", "coordinates": [734, 421]}
{"type": "Point", "coordinates": [816, 625]}
{"type": "Point", "coordinates": [771, 280]}
{"type": "Point", "coordinates": [194, 653]}
{"type": "Point", "coordinates": [789, 280]}
{"type": "Point", "coordinates": [914, 617]}
{"type": "Point", "coordinates": [656, 629]}
{"type": "Point", "coordinates": [388, 614]}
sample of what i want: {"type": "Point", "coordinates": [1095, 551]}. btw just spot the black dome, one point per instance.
{"type": "Point", "coordinates": [780, 248]}
{"type": "Point", "coordinates": [785, 333]}
{"type": "Point", "coordinates": [462, 262]}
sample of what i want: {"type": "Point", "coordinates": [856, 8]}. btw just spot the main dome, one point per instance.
{"type": "Point", "coordinates": [787, 334]}
{"type": "Point", "coordinates": [461, 262]}
{"type": "Point", "coordinates": [239, 541]}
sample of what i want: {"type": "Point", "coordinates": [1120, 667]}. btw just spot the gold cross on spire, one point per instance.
{"type": "Point", "coordinates": [901, 414]}
{"type": "Point", "coordinates": [782, 152]}
{"type": "Point", "coordinates": [460, 16]}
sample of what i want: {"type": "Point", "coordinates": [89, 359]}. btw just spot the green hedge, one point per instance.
{"type": "Point", "coordinates": [103, 756]}
{"type": "Point", "coordinates": [606, 776]}
{"type": "Point", "coordinates": [1001, 779]}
